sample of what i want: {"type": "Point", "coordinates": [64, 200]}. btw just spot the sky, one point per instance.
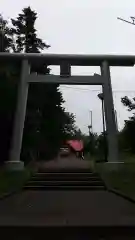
{"type": "Point", "coordinates": [86, 27]}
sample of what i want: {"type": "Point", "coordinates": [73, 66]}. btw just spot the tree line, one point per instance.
{"type": "Point", "coordinates": [47, 124]}
{"type": "Point", "coordinates": [126, 136]}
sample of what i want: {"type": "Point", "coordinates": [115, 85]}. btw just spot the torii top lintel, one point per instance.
{"type": "Point", "coordinates": [71, 59]}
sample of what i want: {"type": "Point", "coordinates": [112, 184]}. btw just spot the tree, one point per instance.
{"type": "Point", "coordinates": [101, 146]}
{"type": "Point", "coordinates": [45, 121]}
{"type": "Point", "coordinates": [6, 41]}
{"type": "Point", "coordinates": [130, 104]}
{"type": "Point", "coordinates": [71, 131]}
{"type": "Point", "coordinates": [26, 34]}
{"type": "Point", "coordinates": [8, 90]}
{"type": "Point", "coordinates": [127, 135]}
{"type": "Point", "coordinates": [69, 127]}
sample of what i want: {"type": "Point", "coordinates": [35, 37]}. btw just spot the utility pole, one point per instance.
{"type": "Point", "coordinates": [116, 119]}
{"type": "Point", "coordinates": [90, 131]}
{"type": "Point", "coordinates": [101, 97]}
{"type": "Point", "coordinates": [90, 126]}
{"type": "Point", "coordinates": [124, 20]}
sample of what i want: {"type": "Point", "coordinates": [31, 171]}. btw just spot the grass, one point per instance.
{"type": "Point", "coordinates": [13, 180]}
{"type": "Point", "coordinates": [122, 180]}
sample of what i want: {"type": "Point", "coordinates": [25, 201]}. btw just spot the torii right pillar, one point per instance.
{"type": "Point", "coordinates": [109, 114]}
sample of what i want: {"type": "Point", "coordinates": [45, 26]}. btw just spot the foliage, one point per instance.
{"type": "Point", "coordinates": [8, 94]}
{"type": "Point", "coordinates": [130, 104]}
{"type": "Point", "coordinates": [71, 131]}
{"type": "Point", "coordinates": [90, 143]}
{"type": "Point", "coordinates": [101, 147]}
{"type": "Point", "coordinates": [6, 41]}
{"type": "Point", "coordinates": [122, 180]}
{"type": "Point", "coordinates": [8, 90]}
{"type": "Point", "coordinates": [69, 127]}
{"type": "Point", "coordinates": [46, 123]}
{"type": "Point", "coordinates": [45, 118]}
{"type": "Point", "coordinates": [24, 32]}
{"type": "Point", "coordinates": [127, 135]}
{"type": "Point", "coordinates": [13, 181]}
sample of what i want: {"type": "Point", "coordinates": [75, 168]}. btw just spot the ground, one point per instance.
{"type": "Point", "coordinates": [122, 180]}
{"type": "Point", "coordinates": [43, 208]}
{"type": "Point", "coordinates": [65, 162]}
{"type": "Point", "coordinates": [89, 208]}
{"type": "Point", "coordinates": [12, 181]}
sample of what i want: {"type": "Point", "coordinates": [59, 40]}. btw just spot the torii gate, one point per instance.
{"type": "Point", "coordinates": [65, 62]}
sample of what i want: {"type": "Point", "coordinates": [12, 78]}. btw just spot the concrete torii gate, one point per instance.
{"type": "Point", "coordinates": [65, 62]}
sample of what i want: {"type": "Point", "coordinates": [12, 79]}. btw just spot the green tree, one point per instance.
{"type": "Point", "coordinates": [26, 34]}
{"type": "Point", "coordinates": [69, 127]}
{"type": "Point", "coordinates": [71, 131]}
{"type": "Point", "coordinates": [130, 104]}
{"type": "Point", "coordinates": [6, 41]}
{"type": "Point", "coordinates": [101, 146]}
{"type": "Point", "coordinates": [46, 119]}
{"type": "Point", "coordinates": [8, 89]}
{"type": "Point", "coordinates": [44, 124]}
{"type": "Point", "coordinates": [127, 135]}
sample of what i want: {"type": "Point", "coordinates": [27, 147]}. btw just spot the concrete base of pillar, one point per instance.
{"type": "Point", "coordinates": [113, 166]}
{"type": "Point", "coordinates": [14, 165]}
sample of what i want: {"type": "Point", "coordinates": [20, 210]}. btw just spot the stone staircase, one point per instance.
{"type": "Point", "coordinates": [65, 179]}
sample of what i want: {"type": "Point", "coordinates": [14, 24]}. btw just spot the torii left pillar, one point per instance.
{"type": "Point", "coordinates": [14, 162]}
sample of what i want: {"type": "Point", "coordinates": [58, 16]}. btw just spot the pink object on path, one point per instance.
{"type": "Point", "coordinates": [76, 145]}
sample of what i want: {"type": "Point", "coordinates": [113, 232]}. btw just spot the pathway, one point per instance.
{"type": "Point", "coordinates": [65, 162]}
{"type": "Point", "coordinates": [64, 208]}
{"type": "Point", "coordinates": [56, 208]}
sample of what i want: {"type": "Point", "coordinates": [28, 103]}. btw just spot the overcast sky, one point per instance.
{"type": "Point", "coordinates": [86, 27]}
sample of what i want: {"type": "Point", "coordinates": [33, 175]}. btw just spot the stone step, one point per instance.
{"type": "Point", "coordinates": [66, 176]}
{"type": "Point", "coordinates": [65, 183]}
{"type": "Point", "coordinates": [76, 179]}
{"type": "Point", "coordinates": [52, 178]}
{"type": "Point", "coordinates": [39, 188]}
{"type": "Point", "coordinates": [64, 170]}
{"type": "Point", "coordinates": [66, 173]}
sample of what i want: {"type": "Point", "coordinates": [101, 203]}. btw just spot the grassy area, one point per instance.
{"type": "Point", "coordinates": [13, 180]}
{"type": "Point", "coordinates": [122, 180]}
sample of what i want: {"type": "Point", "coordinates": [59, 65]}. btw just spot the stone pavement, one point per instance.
{"type": "Point", "coordinates": [63, 208]}
{"type": "Point", "coordinates": [70, 162]}
{"type": "Point", "coordinates": [66, 208]}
